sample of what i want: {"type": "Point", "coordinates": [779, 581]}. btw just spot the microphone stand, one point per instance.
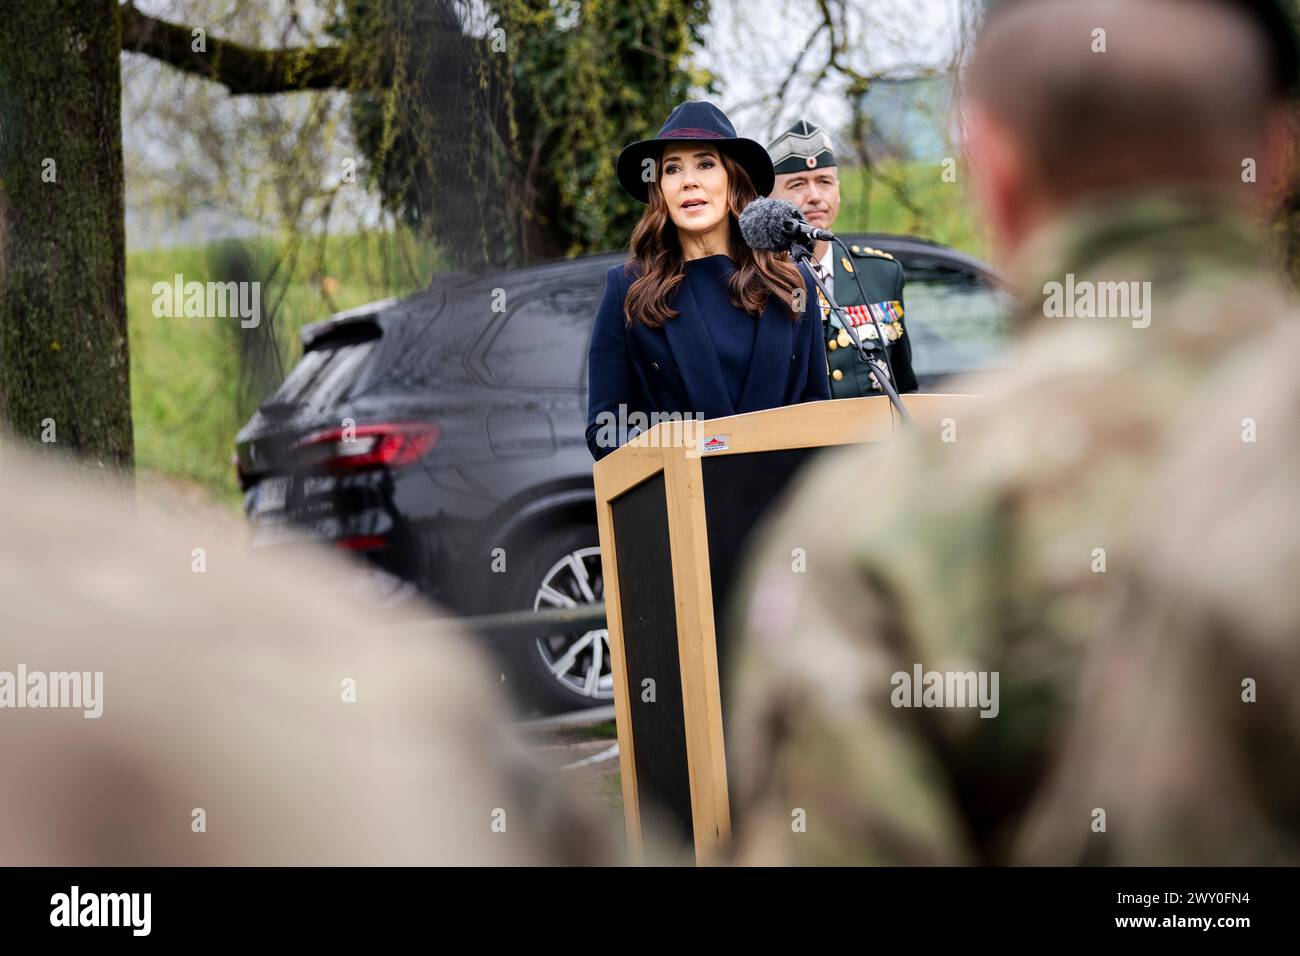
{"type": "Point", "coordinates": [801, 253]}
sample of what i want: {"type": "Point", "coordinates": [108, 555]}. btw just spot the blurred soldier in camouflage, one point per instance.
{"type": "Point", "coordinates": [1186, 733]}
{"type": "Point", "coordinates": [1122, 151]}
{"type": "Point", "coordinates": [250, 712]}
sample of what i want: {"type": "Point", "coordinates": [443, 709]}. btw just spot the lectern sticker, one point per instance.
{"type": "Point", "coordinates": [715, 443]}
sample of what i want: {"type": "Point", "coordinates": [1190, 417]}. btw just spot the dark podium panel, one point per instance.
{"type": "Point", "coordinates": [738, 490]}
{"type": "Point", "coordinates": [676, 507]}
{"type": "Point", "coordinates": [649, 618]}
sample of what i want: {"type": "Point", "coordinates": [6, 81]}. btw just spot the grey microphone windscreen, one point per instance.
{"type": "Point", "coordinates": [762, 224]}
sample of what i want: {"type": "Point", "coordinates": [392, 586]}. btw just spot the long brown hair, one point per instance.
{"type": "Point", "coordinates": [660, 268]}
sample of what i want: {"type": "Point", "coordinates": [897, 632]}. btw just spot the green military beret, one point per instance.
{"type": "Point", "coordinates": [800, 148]}
{"type": "Point", "coordinates": [1277, 18]}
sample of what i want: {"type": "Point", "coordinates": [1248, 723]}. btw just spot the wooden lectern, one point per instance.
{"type": "Point", "coordinates": [675, 505]}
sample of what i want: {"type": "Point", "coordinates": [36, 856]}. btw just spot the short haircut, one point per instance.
{"type": "Point", "coordinates": [1181, 93]}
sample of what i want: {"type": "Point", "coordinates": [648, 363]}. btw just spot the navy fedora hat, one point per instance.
{"type": "Point", "coordinates": [695, 120]}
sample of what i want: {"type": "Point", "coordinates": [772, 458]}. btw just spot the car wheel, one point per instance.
{"type": "Point", "coordinates": [567, 670]}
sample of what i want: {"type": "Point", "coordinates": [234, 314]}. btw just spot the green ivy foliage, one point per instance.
{"type": "Point", "coordinates": [497, 137]}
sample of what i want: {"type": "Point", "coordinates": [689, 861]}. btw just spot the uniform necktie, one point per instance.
{"type": "Point", "coordinates": [824, 275]}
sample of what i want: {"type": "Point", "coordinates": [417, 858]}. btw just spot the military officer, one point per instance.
{"type": "Point", "coordinates": [996, 547]}
{"type": "Point", "coordinates": [806, 175]}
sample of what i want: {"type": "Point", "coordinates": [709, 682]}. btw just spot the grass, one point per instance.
{"type": "Point", "coordinates": [605, 730]}
{"type": "Point", "coordinates": [184, 371]}
{"type": "Point", "coordinates": [911, 199]}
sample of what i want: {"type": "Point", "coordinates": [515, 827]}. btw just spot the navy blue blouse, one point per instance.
{"type": "Point", "coordinates": [732, 330]}
{"type": "Point", "coordinates": [712, 359]}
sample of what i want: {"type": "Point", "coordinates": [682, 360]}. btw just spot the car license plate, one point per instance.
{"type": "Point", "coordinates": [272, 493]}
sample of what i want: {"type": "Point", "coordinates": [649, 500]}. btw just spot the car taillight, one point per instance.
{"type": "Point", "coordinates": [362, 542]}
{"type": "Point", "coordinates": [366, 446]}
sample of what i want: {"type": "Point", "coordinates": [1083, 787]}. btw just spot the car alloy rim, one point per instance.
{"type": "Point", "coordinates": [579, 662]}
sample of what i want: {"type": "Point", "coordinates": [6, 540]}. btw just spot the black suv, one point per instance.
{"type": "Point", "coordinates": [441, 437]}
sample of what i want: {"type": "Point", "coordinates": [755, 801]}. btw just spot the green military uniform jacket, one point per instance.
{"type": "Point", "coordinates": [882, 280]}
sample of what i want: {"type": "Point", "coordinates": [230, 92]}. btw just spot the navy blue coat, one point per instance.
{"type": "Point", "coordinates": [676, 368]}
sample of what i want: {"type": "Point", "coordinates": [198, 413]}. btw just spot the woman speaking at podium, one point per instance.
{"type": "Point", "coordinates": [696, 322]}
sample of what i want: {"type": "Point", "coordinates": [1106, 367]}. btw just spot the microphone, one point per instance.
{"type": "Point", "coordinates": [777, 225]}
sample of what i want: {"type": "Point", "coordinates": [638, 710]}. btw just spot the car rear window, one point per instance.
{"type": "Point", "coordinates": [958, 322]}
{"type": "Point", "coordinates": [543, 341]}
{"type": "Point", "coordinates": [324, 375]}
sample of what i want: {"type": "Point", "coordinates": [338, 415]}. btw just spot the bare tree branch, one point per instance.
{"type": "Point", "coordinates": [241, 69]}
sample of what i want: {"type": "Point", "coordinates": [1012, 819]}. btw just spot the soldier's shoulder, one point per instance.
{"type": "Point", "coordinates": [870, 259]}
{"type": "Point", "coordinates": [862, 251]}
{"type": "Point", "coordinates": [875, 266]}
{"type": "Point", "coordinates": [1225, 486]}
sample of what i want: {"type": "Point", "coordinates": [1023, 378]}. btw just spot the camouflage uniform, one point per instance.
{"type": "Point", "coordinates": [223, 691]}
{"type": "Point", "coordinates": [1187, 731]}
{"type": "Point", "coordinates": [978, 554]}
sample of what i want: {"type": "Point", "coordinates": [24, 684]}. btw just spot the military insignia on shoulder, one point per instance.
{"type": "Point", "coordinates": [868, 251]}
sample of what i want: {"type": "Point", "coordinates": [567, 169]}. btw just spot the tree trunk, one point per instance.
{"type": "Point", "coordinates": [64, 367]}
